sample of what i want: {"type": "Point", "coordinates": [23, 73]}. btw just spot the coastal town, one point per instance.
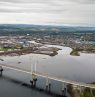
{"type": "Point", "coordinates": [14, 45]}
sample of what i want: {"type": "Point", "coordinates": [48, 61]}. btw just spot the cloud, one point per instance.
{"type": "Point", "coordinates": [47, 1]}
{"type": "Point", "coordinates": [49, 11]}
{"type": "Point", "coordinates": [41, 6]}
{"type": "Point", "coordinates": [31, 7]}
{"type": "Point", "coordinates": [84, 1]}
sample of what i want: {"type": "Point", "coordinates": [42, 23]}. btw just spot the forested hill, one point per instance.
{"type": "Point", "coordinates": [22, 29]}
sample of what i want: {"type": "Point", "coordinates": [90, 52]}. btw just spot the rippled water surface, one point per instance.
{"type": "Point", "coordinates": [63, 65]}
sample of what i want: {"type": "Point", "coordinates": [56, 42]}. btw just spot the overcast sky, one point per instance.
{"type": "Point", "coordinates": [61, 12]}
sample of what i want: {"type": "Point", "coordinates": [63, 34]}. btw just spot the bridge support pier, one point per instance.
{"type": "Point", "coordinates": [64, 90]}
{"type": "Point", "coordinates": [1, 70]}
{"type": "Point", "coordinates": [33, 81]}
{"type": "Point", "coordinates": [48, 85]}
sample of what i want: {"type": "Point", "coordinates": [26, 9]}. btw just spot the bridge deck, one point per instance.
{"type": "Point", "coordinates": [49, 77]}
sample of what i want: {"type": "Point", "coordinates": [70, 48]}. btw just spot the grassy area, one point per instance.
{"type": "Point", "coordinates": [73, 92]}
{"type": "Point", "coordinates": [75, 52]}
{"type": "Point", "coordinates": [54, 53]}
{"type": "Point", "coordinates": [70, 90]}
{"type": "Point", "coordinates": [86, 92]}
{"type": "Point", "coordinates": [93, 91]}
{"type": "Point", "coordinates": [5, 49]}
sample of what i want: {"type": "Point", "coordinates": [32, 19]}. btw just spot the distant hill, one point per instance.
{"type": "Point", "coordinates": [22, 29]}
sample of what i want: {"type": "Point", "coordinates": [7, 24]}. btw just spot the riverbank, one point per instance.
{"type": "Point", "coordinates": [16, 52]}
{"type": "Point", "coordinates": [59, 64]}
{"type": "Point", "coordinates": [74, 52]}
{"type": "Point", "coordinates": [80, 92]}
{"type": "Point", "coordinates": [51, 51]}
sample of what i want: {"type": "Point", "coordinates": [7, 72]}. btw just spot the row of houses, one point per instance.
{"type": "Point", "coordinates": [19, 44]}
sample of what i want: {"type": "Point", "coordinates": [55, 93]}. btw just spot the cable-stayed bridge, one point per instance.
{"type": "Point", "coordinates": [48, 77]}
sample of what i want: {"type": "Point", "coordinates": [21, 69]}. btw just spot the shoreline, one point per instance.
{"type": "Point", "coordinates": [76, 52]}
{"type": "Point", "coordinates": [51, 51]}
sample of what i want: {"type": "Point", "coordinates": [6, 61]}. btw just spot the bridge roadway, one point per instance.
{"type": "Point", "coordinates": [49, 77]}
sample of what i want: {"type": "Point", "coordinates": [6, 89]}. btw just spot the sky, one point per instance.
{"type": "Point", "coordinates": [49, 12]}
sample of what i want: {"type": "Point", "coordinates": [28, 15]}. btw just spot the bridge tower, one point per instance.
{"type": "Point", "coordinates": [48, 85]}
{"type": "Point", "coordinates": [34, 77]}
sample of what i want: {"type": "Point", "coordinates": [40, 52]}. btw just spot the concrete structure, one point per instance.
{"type": "Point", "coordinates": [35, 74]}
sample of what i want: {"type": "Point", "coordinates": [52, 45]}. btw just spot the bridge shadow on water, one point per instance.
{"type": "Point", "coordinates": [26, 85]}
